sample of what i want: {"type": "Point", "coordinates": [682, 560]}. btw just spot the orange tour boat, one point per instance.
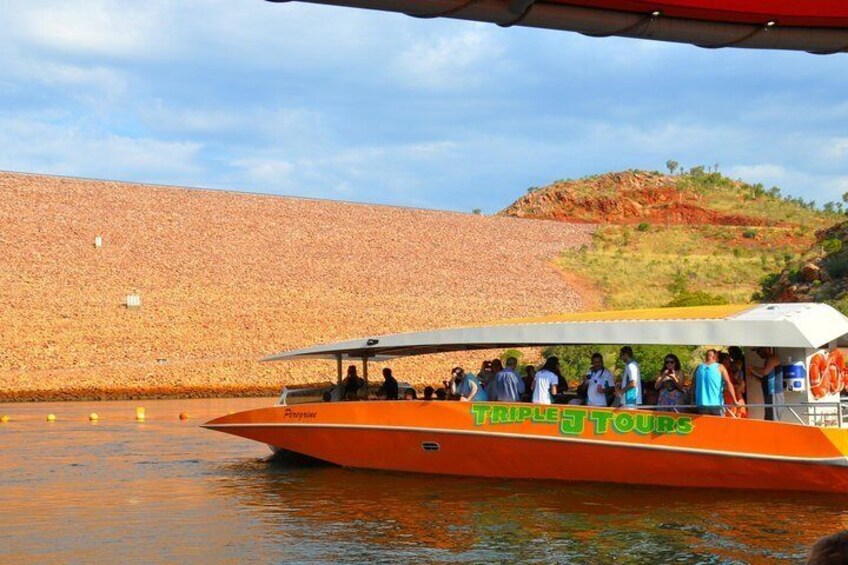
{"type": "Point", "coordinates": [804, 449]}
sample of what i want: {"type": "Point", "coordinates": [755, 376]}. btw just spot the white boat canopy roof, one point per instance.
{"type": "Point", "coordinates": [802, 325]}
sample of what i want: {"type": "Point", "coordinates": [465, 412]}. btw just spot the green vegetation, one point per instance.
{"type": "Point", "coordinates": [511, 353]}
{"type": "Point", "coordinates": [575, 359]}
{"type": "Point", "coordinates": [679, 265]}
{"type": "Point", "coordinates": [699, 262]}
{"type": "Point", "coordinates": [672, 165]}
{"type": "Point", "coordinates": [820, 274]}
{"type": "Point", "coordinates": [731, 196]}
{"type": "Point", "coordinates": [690, 239]}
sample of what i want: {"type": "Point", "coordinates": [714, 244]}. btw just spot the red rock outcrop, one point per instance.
{"type": "Point", "coordinates": [628, 197]}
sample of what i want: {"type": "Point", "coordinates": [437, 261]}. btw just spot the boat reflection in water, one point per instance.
{"type": "Point", "coordinates": [354, 515]}
{"type": "Point", "coordinates": [164, 491]}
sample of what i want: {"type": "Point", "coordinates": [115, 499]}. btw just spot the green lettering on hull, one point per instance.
{"type": "Point", "coordinates": [574, 421]}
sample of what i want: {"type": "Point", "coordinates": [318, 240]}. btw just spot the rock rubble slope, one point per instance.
{"type": "Point", "coordinates": [225, 278]}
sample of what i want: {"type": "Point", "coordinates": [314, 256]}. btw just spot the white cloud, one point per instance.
{"type": "Point", "coordinates": [836, 148]}
{"type": "Point", "coordinates": [330, 101]}
{"type": "Point", "coordinates": [95, 27]}
{"type": "Point", "coordinates": [36, 146]}
{"type": "Point", "coordinates": [267, 172]}
{"type": "Point", "coordinates": [294, 125]}
{"type": "Point", "coordinates": [813, 185]}
{"type": "Point", "coordinates": [461, 59]}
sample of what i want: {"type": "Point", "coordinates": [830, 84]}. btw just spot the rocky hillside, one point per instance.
{"type": "Point", "coordinates": [697, 237]}
{"type": "Point", "coordinates": [634, 197]}
{"type": "Point", "coordinates": [225, 278]}
{"type": "Point", "coordinates": [820, 274]}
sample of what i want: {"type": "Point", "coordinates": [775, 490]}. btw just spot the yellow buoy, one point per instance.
{"type": "Point", "coordinates": [4, 418]}
{"type": "Point", "coordinates": [139, 414]}
{"type": "Point", "coordinates": [51, 417]}
{"type": "Point", "coordinates": [93, 417]}
{"type": "Point", "coordinates": [183, 415]}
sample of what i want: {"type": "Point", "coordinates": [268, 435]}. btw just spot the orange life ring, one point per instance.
{"type": "Point", "coordinates": [834, 379]}
{"type": "Point", "coordinates": [837, 359]}
{"type": "Point", "coordinates": [818, 376]}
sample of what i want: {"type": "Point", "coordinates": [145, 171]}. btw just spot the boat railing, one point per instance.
{"type": "Point", "coordinates": [318, 393]}
{"type": "Point", "coordinates": [305, 394]}
{"type": "Point", "coordinates": [820, 414]}
{"type": "Point", "coordinates": [843, 413]}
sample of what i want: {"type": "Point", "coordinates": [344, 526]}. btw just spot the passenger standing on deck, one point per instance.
{"type": "Point", "coordinates": [471, 389]}
{"type": "Point", "coordinates": [351, 384]}
{"type": "Point", "coordinates": [669, 383]}
{"type": "Point", "coordinates": [737, 355]}
{"type": "Point", "coordinates": [708, 378]}
{"type": "Point", "coordinates": [766, 374]}
{"type": "Point", "coordinates": [545, 382]}
{"type": "Point", "coordinates": [491, 385]}
{"type": "Point", "coordinates": [630, 389]}
{"type": "Point", "coordinates": [454, 385]}
{"type": "Point", "coordinates": [485, 375]}
{"type": "Point", "coordinates": [389, 390]}
{"type": "Point", "coordinates": [529, 377]}
{"type": "Point", "coordinates": [508, 386]}
{"type": "Point", "coordinates": [598, 380]}
{"type": "Point", "coordinates": [726, 361]}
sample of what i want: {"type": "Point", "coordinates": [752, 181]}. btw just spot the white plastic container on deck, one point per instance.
{"type": "Point", "coordinates": [794, 376]}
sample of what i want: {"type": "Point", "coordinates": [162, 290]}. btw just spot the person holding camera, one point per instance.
{"type": "Point", "coordinates": [598, 381]}
{"type": "Point", "coordinates": [669, 382]}
{"type": "Point", "coordinates": [454, 385]}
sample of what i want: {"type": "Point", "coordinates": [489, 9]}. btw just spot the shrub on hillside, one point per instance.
{"type": "Point", "coordinates": [749, 233]}
{"type": "Point", "coordinates": [511, 353]}
{"type": "Point", "coordinates": [836, 266]}
{"type": "Point", "coordinates": [679, 282]}
{"type": "Point", "coordinates": [644, 226]}
{"type": "Point", "coordinates": [832, 245]}
{"type": "Point", "coordinates": [767, 288]}
{"type": "Point", "coordinates": [840, 304]}
{"type": "Point", "coordinates": [696, 298]}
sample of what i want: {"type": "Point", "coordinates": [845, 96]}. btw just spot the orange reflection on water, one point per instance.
{"type": "Point", "coordinates": [166, 490]}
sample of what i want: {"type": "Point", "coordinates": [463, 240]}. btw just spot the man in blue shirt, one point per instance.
{"type": "Point", "coordinates": [709, 377]}
{"type": "Point", "coordinates": [508, 384]}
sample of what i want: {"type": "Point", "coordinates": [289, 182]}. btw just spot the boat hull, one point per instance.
{"type": "Point", "coordinates": [520, 441]}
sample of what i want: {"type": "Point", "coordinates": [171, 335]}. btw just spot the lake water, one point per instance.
{"type": "Point", "coordinates": [168, 491]}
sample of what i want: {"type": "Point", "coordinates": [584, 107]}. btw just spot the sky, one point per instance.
{"type": "Point", "coordinates": [317, 101]}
